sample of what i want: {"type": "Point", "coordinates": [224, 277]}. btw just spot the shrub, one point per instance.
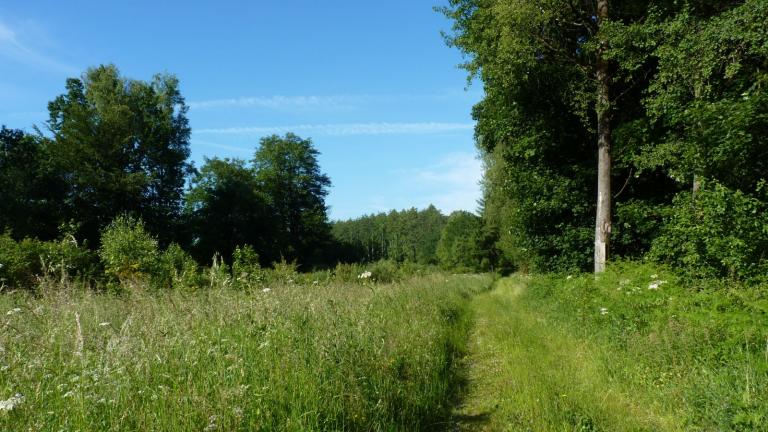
{"type": "Point", "coordinates": [23, 262]}
{"type": "Point", "coordinates": [19, 262]}
{"type": "Point", "coordinates": [128, 251]}
{"type": "Point", "coordinates": [384, 271]}
{"type": "Point", "coordinates": [720, 233]}
{"type": "Point", "coordinates": [177, 269]}
{"type": "Point", "coordinates": [246, 270]}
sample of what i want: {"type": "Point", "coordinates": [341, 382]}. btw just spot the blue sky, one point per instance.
{"type": "Point", "coordinates": [372, 83]}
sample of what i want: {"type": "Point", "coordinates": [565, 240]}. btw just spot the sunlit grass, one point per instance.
{"type": "Point", "coordinates": [296, 357]}
{"type": "Point", "coordinates": [553, 353]}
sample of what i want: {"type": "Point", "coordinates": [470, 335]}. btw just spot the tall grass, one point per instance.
{"type": "Point", "coordinates": [634, 349]}
{"type": "Point", "coordinates": [335, 356]}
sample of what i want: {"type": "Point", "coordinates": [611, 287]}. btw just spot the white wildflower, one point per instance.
{"type": "Point", "coordinates": [365, 275]}
{"type": "Point", "coordinates": [603, 311]}
{"type": "Point", "coordinates": [266, 290]}
{"type": "Point", "coordinates": [211, 423]}
{"type": "Point", "coordinates": [569, 277]}
{"type": "Point", "coordinates": [13, 402]}
{"type": "Point", "coordinates": [13, 311]}
{"type": "Point", "coordinates": [656, 284]}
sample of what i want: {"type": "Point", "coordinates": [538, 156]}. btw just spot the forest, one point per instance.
{"type": "Point", "coordinates": [621, 245]}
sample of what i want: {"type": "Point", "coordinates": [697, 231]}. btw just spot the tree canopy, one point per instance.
{"type": "Point", "coordinates": [121, 146]}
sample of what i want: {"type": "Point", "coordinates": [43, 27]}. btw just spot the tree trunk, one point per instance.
{"type": "Point", "coordinates": [603, 217]}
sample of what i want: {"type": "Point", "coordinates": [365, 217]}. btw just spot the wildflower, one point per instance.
{"type": "Point", "coordinates": [656, 284]}
{"type": "Point", "coordinates": [13, 402]}
{"type": "Point", "coordinates": [13, 311]}
{"type": "Point", "coordinates": [365, 275]}
{"type": "Point", "coordinates": [569, 277]}
{"type": "Point", "coordinates": [211, 423]}
{"type": "Point", "coordinates": [603, 311]}
{"type": "Point", "coordinates": [266, 290]}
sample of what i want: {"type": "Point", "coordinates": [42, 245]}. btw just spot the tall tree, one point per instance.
{"type": "Point", "coordinates": [226, 208]}
{"type": "Point", "coordinates": [29, 189]}
{"type": "Point", "coordinates": [288, 172]}
{"type": "Point", "coordinates": [122, 147]}
{"type": "Point", "coordinates": [604, 162]}
{"type": "Point", "coordinates": [552, 100]}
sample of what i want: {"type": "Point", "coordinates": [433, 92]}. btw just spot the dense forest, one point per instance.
{"type": "Point", "coordinates": [656, 108]}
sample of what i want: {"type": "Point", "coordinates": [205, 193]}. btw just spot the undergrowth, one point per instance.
{"type": "Point", "coordinates": [323, 356]}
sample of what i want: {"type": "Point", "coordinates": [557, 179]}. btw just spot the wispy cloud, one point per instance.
{"type": "Point", "coordinates": [327, 103]}
{"type": "Point", "coordinates": [11, 46]}
{"type": "Point", "coordinates": [345, 129]}
{"type": "Point", "coordinates": [277, 102]}
{"type": "Point", "coordinates": [453, 183]}
{"type": "Point", "coordinates": [197, 142]}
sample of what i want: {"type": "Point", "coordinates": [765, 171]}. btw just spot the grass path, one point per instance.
{"type": "Point", "coordinates": [526, 373]}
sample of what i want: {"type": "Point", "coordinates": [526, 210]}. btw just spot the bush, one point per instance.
{"type": "Point", "coordinates": [23, 262]}
{"type": "Point", "coordinates": [177, 269]}
{"type": "Point", "coordinates": [128, 251]}
{"type": "Point", "coordinates": [19, 262]}
{"type": "Point", "coordinates": [384, 271]}
{"type": "Point", "coordinates": [720, 233]}
{"type": "Point", "coordinates": [246, 270]}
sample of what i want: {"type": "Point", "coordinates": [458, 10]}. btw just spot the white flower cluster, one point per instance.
{"type": "Point", "coordinates": [603, 311]}
{"type": "Point", "coordinates": [13, 402]}
{"type": "Point", "coordinates": [655, 284]}
{"type": "Point", "coordinates": [365, 275]}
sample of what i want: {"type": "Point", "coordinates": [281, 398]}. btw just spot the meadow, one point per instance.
{"type": "Point", "coordinates": [635, 349]}
{"type": "Point", "coordinates": [287, 355]}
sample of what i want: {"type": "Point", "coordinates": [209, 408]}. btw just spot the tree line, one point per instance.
{"type": "Point", "coordinates": [111, 172]}
{"type": "Point", "coordinates": [115, 146]}
{"type": "Point", "coordinates": [417, 236]}
{"type": "Point", "coordinates": [635, 125]}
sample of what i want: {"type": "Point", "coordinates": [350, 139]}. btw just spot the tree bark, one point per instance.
{"type": "Point", "coordinates": [604, 198]}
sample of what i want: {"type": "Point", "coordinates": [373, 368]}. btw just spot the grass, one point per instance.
{"type": "Point", "coordinates": [331, 356]}
{"type": "Point", "coordinates": [557, 353]}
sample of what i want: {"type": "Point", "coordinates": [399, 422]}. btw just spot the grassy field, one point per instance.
{"type": "Point", "coordinates": [336, 356]}
{"type": "Point", "coordinates": [631, 351]}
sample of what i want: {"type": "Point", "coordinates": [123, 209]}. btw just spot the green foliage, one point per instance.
{"type": "Point", "coordinates": [403, 236]}
{"type": "Point", "coordinates": [23, 263]}
{"type": "Point", "coordinates": [121, 146]}
{"type": "Point", "coordinates": [688, 105]}
{"type": "Point", "coordinates": [719, 232]}
{"type": "Point", "coordinates": [287, 171]}
{"type": "Point", "coordinates": [459, 245]}
{"type": "Point", "coordinates": [176, 269]}
{"type": "Point", "coordinates": [226, 207]}
{"type": "Point", "coordinates": [129, 253]}
{"type": "Point", "coordinates": [332, 357]}
{"type": "Point", "coordinates": [31, 190]}
{"type": "Point", "coordinates": [246, 270]}
{"type": "Point", "coordinates": [695, 349]}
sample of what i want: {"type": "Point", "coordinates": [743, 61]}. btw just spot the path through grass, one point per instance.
{"type": "Point", "coordinates": [632, 350]}
{"type": "Point", "coordinates": [526, 373]}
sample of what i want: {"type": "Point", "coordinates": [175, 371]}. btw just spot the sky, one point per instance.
{"type": "Point", "coordinates": [371, 83]}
